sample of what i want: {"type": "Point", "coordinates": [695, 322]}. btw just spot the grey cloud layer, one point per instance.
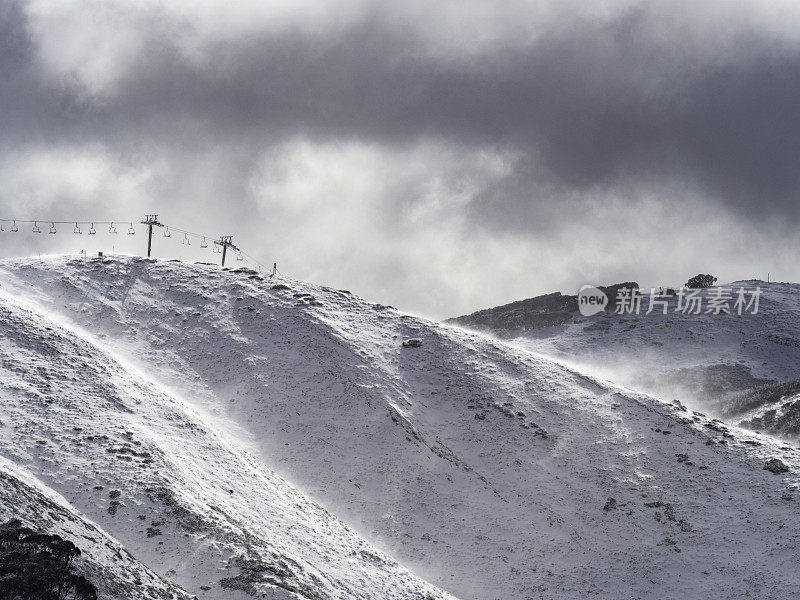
{"type": "Point", "coordinates": [585, 106]}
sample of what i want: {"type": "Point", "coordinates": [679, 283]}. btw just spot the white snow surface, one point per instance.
{"type": "Point", "coordinates": [285, 439]}
{"type": "Point", "coordinates": [695, 358]}
{"type": "Point", "coordinates": [103, 560]}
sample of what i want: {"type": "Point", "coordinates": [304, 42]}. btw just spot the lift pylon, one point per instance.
{"type": "Point", "coordinates": [226, 241]}
{"type": "Point", "coordinates": [151, 221]}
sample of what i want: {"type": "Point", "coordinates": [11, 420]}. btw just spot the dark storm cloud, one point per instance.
{"type": "Point", "coordinates": [589, 109]}
{"type": "Point", "coordinates": [595, 105]}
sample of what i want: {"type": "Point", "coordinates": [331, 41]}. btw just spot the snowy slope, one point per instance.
{"type": "Point", "coordinates": [699, 359]}
{"type": "Point", "coordinates": [114, 572]}
{"type": "Point", "coordinates": [774, 408]}
{"type": "Point", "coordinates": [145, 465]}
{"type": "Point", "coordinates": [485, 469]}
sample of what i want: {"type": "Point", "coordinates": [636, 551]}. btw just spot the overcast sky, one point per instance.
{"type": "Point", "coordinates": [437, 156]}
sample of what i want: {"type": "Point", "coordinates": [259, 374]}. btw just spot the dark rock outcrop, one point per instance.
{"type": "Point", "coordinates": [775, 465]}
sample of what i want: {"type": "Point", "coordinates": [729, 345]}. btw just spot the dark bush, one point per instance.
{"type": "Point", "coordinates": [701, 281]}
{"type": "Point", "coordinates": [37, 566]}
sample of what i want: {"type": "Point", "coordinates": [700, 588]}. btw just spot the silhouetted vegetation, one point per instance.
{"type": "Point", "coordinates": [701, 281]}
{"type": "Point", "coordinates": [548, 310]}
{"type": "Point", "coordinates": [37, 566]}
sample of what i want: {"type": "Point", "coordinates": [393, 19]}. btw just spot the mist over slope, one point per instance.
{"type": "Point", "coordinates": [279, 436]}
{"type": "Point", "coordinates": [703, 360]}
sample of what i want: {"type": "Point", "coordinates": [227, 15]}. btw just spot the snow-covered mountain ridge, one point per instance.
{"type": "Point", "coordinates": [703, 359]}
{"type": "Point", "coordinates": [278, 438]}
{"type": "Point", "coordinates": [140, 461]}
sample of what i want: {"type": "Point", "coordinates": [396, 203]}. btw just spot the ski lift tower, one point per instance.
{"type": "Point", "coordinates": [151, 221]}
{"type": "Point", "coordinates": [226, 241]}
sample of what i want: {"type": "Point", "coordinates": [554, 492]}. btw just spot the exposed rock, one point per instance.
{"type": "Point", "coordinates": [776, 466]}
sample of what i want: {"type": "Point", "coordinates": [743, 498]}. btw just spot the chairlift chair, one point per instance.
{"type": "Point", "coordinates": [239, 256]}
{"type": "Point", "coordinates": [186, 241]}
{"type": "Point", "coordinates": [14, 227]}
{"type": "Point", "coordinates": [166, 231]}
{"type": "Point", "coordinates": [77, 229]}
{"type": "Point", "coordinates": [92, 230]}
{"type": "Point", "coordinates": [204, 244]}
{"type": "Point", "coordinates": [131, 230]}
{"type": "Point", "coordinates": [112, 229]}
{"type": "Point", "coordinates": [36, 228]}
{"type": "Point", "coordinates": [52, 228]}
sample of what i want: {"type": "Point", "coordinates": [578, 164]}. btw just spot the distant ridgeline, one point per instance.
{"type": "Point", "coordinates": [548, 310]}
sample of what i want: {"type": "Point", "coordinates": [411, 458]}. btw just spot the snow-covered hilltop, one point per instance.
{"type": "Point", "coordinates": [703, 359]}
{"type": "Point", "coordinates": [145, 464]}
{"type": "Point", "coordinates": [241, 435]}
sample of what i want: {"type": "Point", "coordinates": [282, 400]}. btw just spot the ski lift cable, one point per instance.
{"type": "Point", "coordinates": [63, 222]}
{"type": "Point", "coordinates": [203, 237]}
{"type": "Point", "coordinates": [91, 226]}
{"type": "Point", "coordinates": [191, 233]}
{"type": "Point", "coordinates": [253, 259]}
{"type": "Point", "coordinates": [112, 229]}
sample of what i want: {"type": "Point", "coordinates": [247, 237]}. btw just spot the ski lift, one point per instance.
{"type": "Point", "coordinates": [77, 229]}
{"type": "Point", "coordinates": [216, 249]}
{"type": "Point", "coordinates": [36, 228]}
{"type": "Point", "coordinates": [92, 230]}
{"type": "Point", "coordinates": [204, 244]}
{"type": "Point", "coordinates": [166, 231]}
{"type": "Point", "coordinates": [14, 227]}
{"type": "Point", "coordinates": [112, 229]}
{"type": "Point", "coordinates": [52, 228]}
{"type": "Point", "coordinates": [186, 241]}
{"type": "Point", "coordinates": [131, 230]}
{"type": "Point", "coordinates": [239, 256]}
